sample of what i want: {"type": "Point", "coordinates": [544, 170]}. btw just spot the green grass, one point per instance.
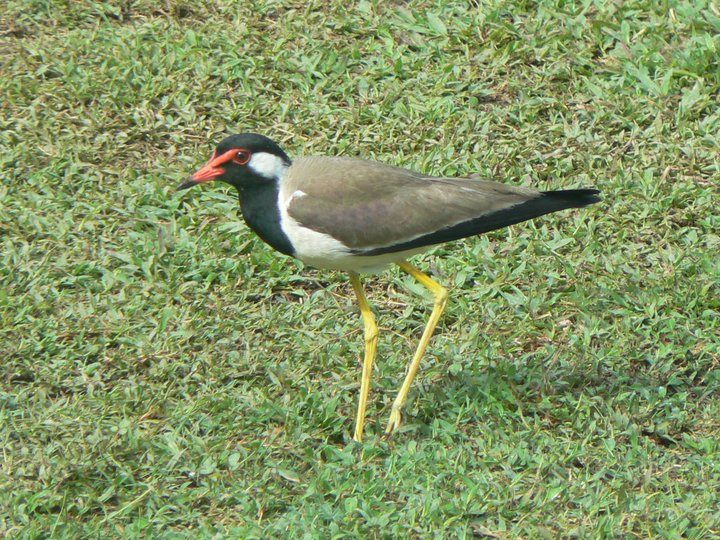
{"type": "Point", "coordinates": [164, 373]}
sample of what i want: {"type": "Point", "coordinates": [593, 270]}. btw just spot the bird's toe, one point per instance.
{"type": "Point", "coordinates": [394, 422]}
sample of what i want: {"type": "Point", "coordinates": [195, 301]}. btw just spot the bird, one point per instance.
{"type": "Point", "coordinates": [362, 216]}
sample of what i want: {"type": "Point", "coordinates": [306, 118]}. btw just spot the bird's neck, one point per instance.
{"type": "Point", "coordinates": [260, 210]}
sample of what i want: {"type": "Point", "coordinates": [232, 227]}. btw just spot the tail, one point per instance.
{"type": "Point", "coordinates": [571, 198]}
{"type": "Point", "coordinates": [539, 204]}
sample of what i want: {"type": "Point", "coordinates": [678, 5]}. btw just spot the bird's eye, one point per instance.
{"type": "Point", "coordinates": [242, 157]}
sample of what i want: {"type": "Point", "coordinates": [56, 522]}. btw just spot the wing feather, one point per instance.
{"type": "Point", "coordinates": [370, 206]}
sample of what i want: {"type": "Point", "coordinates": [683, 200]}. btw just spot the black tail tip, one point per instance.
{"type": "Point", "coordinates": [575, 197]}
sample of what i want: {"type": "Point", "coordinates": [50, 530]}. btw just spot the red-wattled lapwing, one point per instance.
{"type": "Point", "coordinates": [358, 216]}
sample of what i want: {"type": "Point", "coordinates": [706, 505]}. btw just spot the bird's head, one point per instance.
{"type": "Point", "coordinates": [244, 160]}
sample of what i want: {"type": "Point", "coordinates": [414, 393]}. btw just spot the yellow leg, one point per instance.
{"type": "Point", "coordinates": [440, 293]}
{"type": "Point", "coordinates": [371, 336]}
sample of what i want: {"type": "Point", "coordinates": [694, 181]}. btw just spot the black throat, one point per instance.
{"type": "Point", "coordinates": [259, 205]}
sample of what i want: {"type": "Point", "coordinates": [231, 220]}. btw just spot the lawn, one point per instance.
{"type": "Point", "coordinates": [163, 373]}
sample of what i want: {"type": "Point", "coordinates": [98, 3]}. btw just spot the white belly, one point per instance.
{"type": "Point", "coordinates": [357, 263]}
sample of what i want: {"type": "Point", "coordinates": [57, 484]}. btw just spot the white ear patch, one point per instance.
{"type": "Point", "coordinates": [268, 165]}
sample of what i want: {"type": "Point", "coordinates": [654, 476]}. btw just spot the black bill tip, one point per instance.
{"type": "Point", "coordinates": [187, 184]}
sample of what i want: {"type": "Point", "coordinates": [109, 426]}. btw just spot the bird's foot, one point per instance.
{"type": "Point", "coordinates": [394, 421]}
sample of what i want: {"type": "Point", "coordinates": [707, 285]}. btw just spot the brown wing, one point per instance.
{"type": "Point", "coordinates": [371, 207]}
